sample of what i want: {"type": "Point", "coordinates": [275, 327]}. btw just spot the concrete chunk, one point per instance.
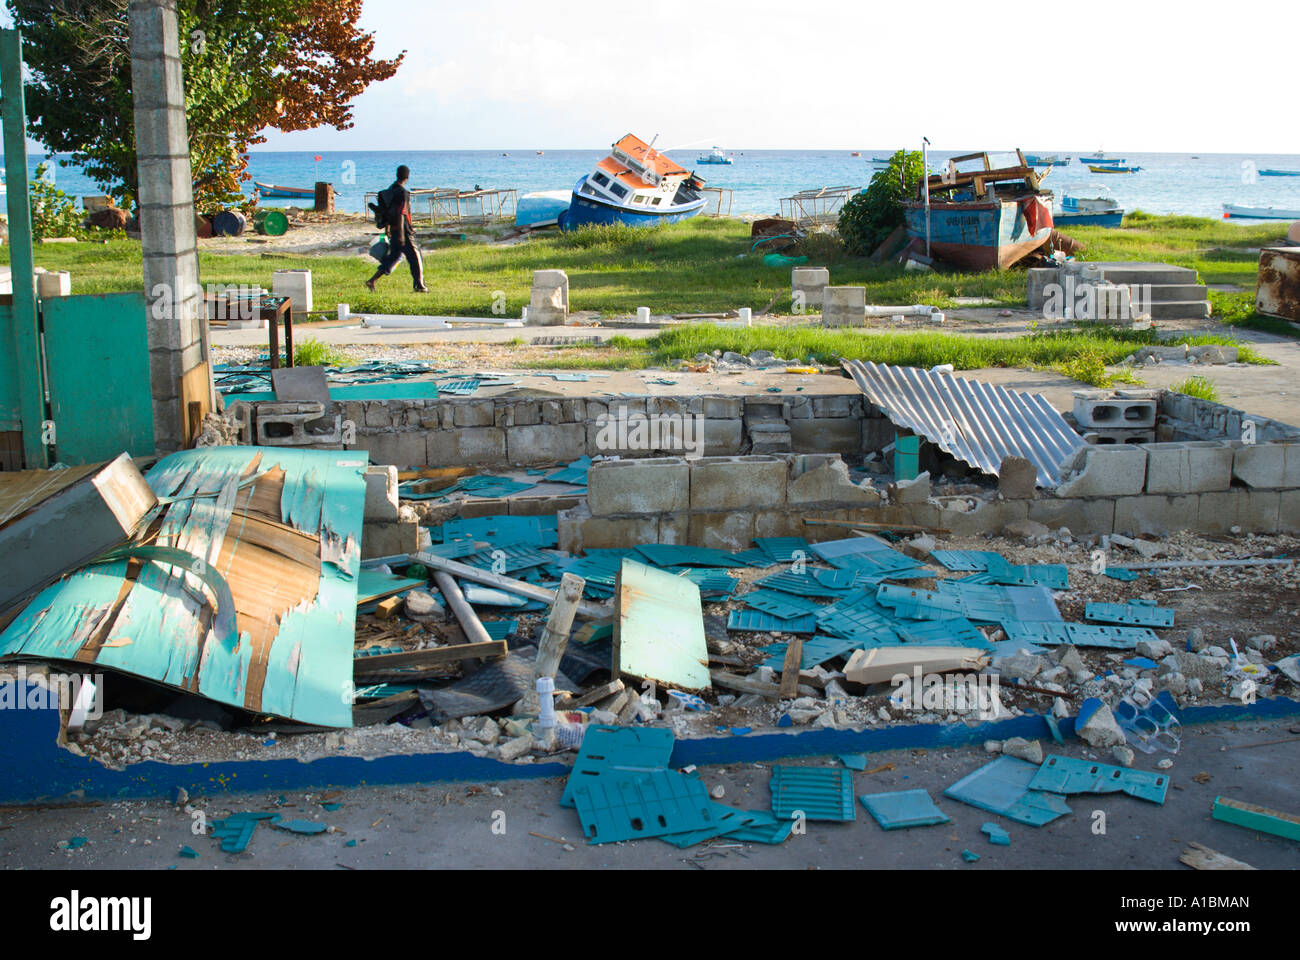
{"type": "Point", "coordinates": [1107, 471]}
{"type": "Point", "coordinates": [661, 485]}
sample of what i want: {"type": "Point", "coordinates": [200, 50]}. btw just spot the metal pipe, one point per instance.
{"type": "Point", "coordinates": [925, 180]}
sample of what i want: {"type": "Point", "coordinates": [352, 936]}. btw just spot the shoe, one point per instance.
{"type": "Point", "coordinates": [421, 289]}
{"type": "Point", "coordinates": [370, 285]}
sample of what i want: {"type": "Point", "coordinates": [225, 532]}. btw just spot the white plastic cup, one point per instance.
{"type": "Point", "coordinates": [642, 314]}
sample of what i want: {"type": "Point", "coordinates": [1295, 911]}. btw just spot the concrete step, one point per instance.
{"type": "Point", "coordinates": [1171, 292]}
{"type": "Point", "coordinates": [1180, 310]}
{"type": "Point", "coordinates": [1152, 273]}
{"type": "Point", "coordinates": [769, 436]}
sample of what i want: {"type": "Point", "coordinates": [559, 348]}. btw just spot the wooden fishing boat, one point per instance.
{"type": "Point", "coordinates": [271, 190]}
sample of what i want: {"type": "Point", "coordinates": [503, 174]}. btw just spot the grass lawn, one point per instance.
{"type": "Point", "coordinates": [707, 265]}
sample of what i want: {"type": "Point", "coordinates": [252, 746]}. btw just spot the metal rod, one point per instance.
{"type": "Point", "coordinates": [1193, 564]}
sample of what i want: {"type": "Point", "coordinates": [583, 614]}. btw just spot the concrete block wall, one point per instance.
{"type": "Point", "coordinates": [522, 431]}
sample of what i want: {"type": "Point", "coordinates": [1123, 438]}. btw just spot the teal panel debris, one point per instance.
{"type": "Point", "coordinates": [818, 793]}
{"type": "Point", "coordinates": [609, 748]}
{"type": "Point", "coordinates": [1120, 573]}
{"type": "Point", "coordinates": [508, 559]}
{"type": "Point", "coordinates": [997, 836]}
{"type": "Point", "coordinates": [502, 528]}
{"type": "Point", "coordinates": [622, 806]}
{"type": "Point", "coordinates": [482, 485]}
{"type": "Point", "coordinates": [756, 621]}
{"type": "Point", "coordinates": [816, 650]}
{"type": "Point", "coordinates": [162, 630]}
{"type": "Point", "coordinates": [752, 558]}
{"type": "Point", "coordinates": [787, 606]}
{"type": "Point", "coordinates": [1130, 614]}
{"type": "Point", "coordinates": [713, 584]}
{"type": "Point", "coordinates": [726, 820]}
{"type": "Point", "coordinates": [460, 386]}
{"type": "Point", "coordinates": [1067, 775]}
{"type": "Point", "coordinates": [1099, 635]}
{"type": "Point", "coordinates": [574, 474]}
{"type": "Point", "coordinates": [783, 549]}
{"type": "Point", "coordinates": [679, 555]}
{"type": "Point", "coordinates": [801, 585]}
{"type": "Point", "coordinates": [659, 628]}
{"type": "Point", "coordinates": [1003, 787]}
{"type": "Point", "coordinates": [764, 827]}
{"type": "Point", "coordinates": [500, 629]}
{"type": "Point", "coordinates": [900, 809]}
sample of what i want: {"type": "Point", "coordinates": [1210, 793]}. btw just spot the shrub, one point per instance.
{"type": "Point", "coordinates": [868, 218]}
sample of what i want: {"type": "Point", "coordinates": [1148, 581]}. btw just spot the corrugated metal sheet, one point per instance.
{"type": "Point", "coordinates": [977, 422]}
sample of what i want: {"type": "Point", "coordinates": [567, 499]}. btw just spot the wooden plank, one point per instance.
{"type": "Point", "coordinates": [790, 669]}
{"type": "Point", "coordinates": [387, 609]}
{"type": "Point", "coordinates": [749, 685]}
{"type": "Point", "coordinates": [555, 635]}
{"type": "Point", "coordinates": [439, 656]}
{"type": "Point", "coordinates": [1254, 817]}
{"type": "Point", "coordinates": [196, 388]}
{"type": "Point", "coordinates": [1201, 857]}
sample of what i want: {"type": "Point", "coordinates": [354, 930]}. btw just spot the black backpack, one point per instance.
{"type": "Point", "coordinates": [384, 213]}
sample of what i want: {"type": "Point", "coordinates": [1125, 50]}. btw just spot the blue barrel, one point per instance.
{"type": "Point", "coordinates": [228, 223]}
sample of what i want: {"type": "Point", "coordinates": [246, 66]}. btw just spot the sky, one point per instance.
{"type": "Point", "coordinates": [1119, 75]}
{"type": "Point", "coordinates": [825, 74]}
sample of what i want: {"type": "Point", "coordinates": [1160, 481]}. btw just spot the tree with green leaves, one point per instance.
{"type": "Point", "coordinates": [868, 218]}
{"type": "Point", "coordinates": [248, 65]}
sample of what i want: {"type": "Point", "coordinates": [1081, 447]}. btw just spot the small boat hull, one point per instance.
{"type": "Point", "coordinates": [1279, 173]}
{"type": "Point", "coordinates": [298, 193]}
{"type": "Point", "coordinates": [1096, 169]}
{"type": "Point", "coordinates": [989, 235]}
{"type": "Point", "coordinates": [1103, 159]}
{"type": "Point", "coordinates": [1112, 218]}
{"type": "Point", "coordinates": [542, 208]}
{"type": "Point", "coordinates": [585, 209]}
{"type": "Point", "coordinates": [1260, 213]}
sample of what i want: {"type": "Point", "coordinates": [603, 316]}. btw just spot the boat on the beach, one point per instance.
{"type": "Point", "coordinates": [715, 156]}
{"type": "Point", "coordinates": [1102, 158]}
{"type": "Point", "coordinates": [986, 219]}
{"type": "Point", "coordinates": [271, 190]}
{"type": "Point", "coordinates": [1279, 173]}
{"type": "Point", "coordinates": [1260, 213]}
{"type": "Point", "coordinates": [1098, 168]}
{"type": "Point", "coordinates": [1089, 212]}
{"type": "Point", "coordinates": [541, 208]}
{"type": "Point", "coordinates": [637, 185]}
{"type": "Point", "coordinates": [1035, 160]}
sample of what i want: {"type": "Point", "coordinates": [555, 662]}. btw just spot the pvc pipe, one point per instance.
{"type": "Point", "coordinates": [916, 310]}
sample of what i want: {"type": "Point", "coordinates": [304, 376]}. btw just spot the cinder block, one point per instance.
{"type": "Point", "coordinates": [381, 493]}
{"type": "Point", "coordinates": [472, 445]}
{"type": "Point", "coordinates": [545, 443]}
{"type": "Point", "coordinates": [1080, 516]}
{"type": "Point", "coordinates": [718, 408]}
{"type": "Point", "coordinates": [1114, 409]}
{"type": "Point", "coordinates": [1254, 511]}
{"type": "Point", "coordinates": [844, 307]}
{"type": "Point", "coordinates": [1103, 436]}
{"type": "Point", "coordinates": [388, 539]}
{"type": "Point", "coordinates": [1192, 467]}
{"type": "Point", "coordinates": [807, 285]}
{"type": "Point", "coordinates": [1267, 465]}
{"type": "Point", "coordinates": [722, 438]}
{"type": "Point", "coordinates": [1037, 281]}
{"type": "Point", "coordinates": [737, 483]}
{"type": "Point", "coordinates": [826, 435]}
{"type": "Point", "coordinates": [473, 413]}
{"type": "Point", "coordinates": [1110, 471]}
{"type": "Point", "coordinates": [404, 449]}
{"type": "Point", "coordinates": [674, 527]}
{"type": "Point", "coordinates": [733, 530]}
{"type": "Point", "coordinates": [1288, 511]}
{"type": "Point", "coordinates": [825, 480]}
{"type": "Point", "coordinates": [661, 485]}
{"type": "Point", "coordinates": [781, 523]}
{"type": "Point", "coordinates": [833, 406]}
{"type": "Point", "coordinates": [601, 533]}
{"type": "Point", "coordinates": [1156, 514]}
{"type": "Point", "coordinates": [989, 516]}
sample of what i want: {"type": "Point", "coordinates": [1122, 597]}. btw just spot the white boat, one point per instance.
{"type": "Point", "coordinates": [541, 208]}
{"type": "Point", "coordinates": [715, 156]}
{"type": "Point", "coordinates": [1260, 213]}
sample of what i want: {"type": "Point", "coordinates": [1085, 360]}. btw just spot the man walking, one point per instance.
{"type": "Point", "coordinates": [395, 211]}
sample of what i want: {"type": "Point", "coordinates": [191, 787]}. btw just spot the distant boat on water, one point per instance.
{"type": "Point", "coordinates": [1034, 160]}
{"type": "Point", "coordinates": [715, 156]}
{"type": "Point", "coordinates": [1096, 168]}
{"type": "Point", "coordinates": [1279, 173]}
{"type": "Point", "coordinates": [636, 185]}
{"type": "Point", "coordinates": [270, 190]}
{"type": "Point", "coordinates": [1102, 158]}
{"type": "Point", "coordinates": [1260, 213]}
{"type": "Point", "coordinates": [855, 154]}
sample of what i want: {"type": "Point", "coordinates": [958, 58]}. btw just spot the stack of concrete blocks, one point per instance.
{"type": "Point", "coordinates": [297, 424]}
{"type": "Point", "coordinates": [807, 285]}
{"type": "Point", "coordinates": [388, 529]}
{"type": "Point", "coordinates": [549, 302]}
{"type": "Point", "coordinates": [844, 307]}
{"type": "Point", "coordinates": [721, 502]}
{"type": "Point", "coordinates": [1155, 291]}
{"type": "Point", "coordinates": [1116, 416]}
{"type": "Point", "coordinates": [177, 331]}
{"type": "Point", "coordinates": [296, 285]}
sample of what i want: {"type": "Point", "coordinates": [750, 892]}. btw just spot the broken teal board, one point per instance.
{"type": "Point", "coordinates": [815, 650]}
{"type": "Point", "coordinates": [621, 805]}
{"type": "Point", "coordinates": [801, 585]}
{"type": "Point", "coordinates": [389, 390]}
{"type": "Point", "coordinates": [609, 748]}
{"type": "Point", "coordinates": [659, 628]}
{"type": "Point", "coordinates": [818, 793]}
{"type": "Point", "coordinates": [783, 549]}
{"type": "Point", "coordinates": [374, 585]}
{"type": "Point", "coordinates": [1254, 817]}
{"type": "Point", "coordinates": [1067, 775]}
{"type": "Point", "coordinates": [756, 621]}
{"type": "Point", "coordinates": [1130, 614]}
{"type": "Point", "coordinates": [779, 604]}
{"type": "Point", "coordinates": [1003, 787]}
{"type": "Point", "coordinates": [575, 474]}
{"type": "Point", "coordinates": [679, 555]}
{"type": "Point", "coordinates": [900, 809]}
{"type": "Point", "coordinates": [501, 528]}
{"type": "Point", "coordinates": [160, 626]}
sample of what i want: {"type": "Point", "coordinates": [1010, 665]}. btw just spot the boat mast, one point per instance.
{"type": "Point", "coordinates": [925, 179]}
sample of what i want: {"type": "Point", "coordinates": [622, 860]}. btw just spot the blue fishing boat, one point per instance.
{"type": "Point", "coordinates": [987, 219]}
{"type": "Point", "coordinates": [1100, 168]}
{"type": "Point", "coordinates": [270, 190]}
{"type": "Point", "coordinates": [715, 156]}
{"type": "Point", "coordinates": [1279, 173]}
{"type": "Point", "coordinates": [1102, 158]}
{"type": "Point", "coordinates": [636, 185]}
{"type": "Point", "coordinates": [1035, 160]}
{"type": "Point", "coordinates": [1088, 212]}
{"type": "Point", "coordinates": [541, 208]}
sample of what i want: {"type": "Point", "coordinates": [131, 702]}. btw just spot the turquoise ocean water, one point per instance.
{"type": "Point", "coordinates": [1168, 182]}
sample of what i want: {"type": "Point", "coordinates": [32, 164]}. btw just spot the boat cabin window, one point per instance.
{"type": "Point", "coordinates": [600, 178]}
{"type": "Point", "coordinates": [656, 201]}
{"type": "Point", "coordinates": [618, 190]}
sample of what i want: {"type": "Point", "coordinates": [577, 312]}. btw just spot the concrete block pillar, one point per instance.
{"type": "Point", "coordinates": [845, 307]}
{"type": "Point", "coordinates": [549, 305]}
{"type": "Point", "coordinates": [177, 330]}
{"type": "Point", "coordinates": [806, 287]}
